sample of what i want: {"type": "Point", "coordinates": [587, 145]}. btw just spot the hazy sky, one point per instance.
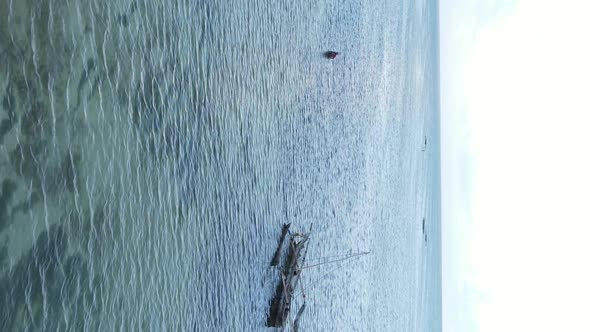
{"type": "Point", "coordinates": [515, 126]}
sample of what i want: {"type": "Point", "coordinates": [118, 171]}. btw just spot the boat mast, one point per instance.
{"type": "Point", "coordinates": [337, 260]}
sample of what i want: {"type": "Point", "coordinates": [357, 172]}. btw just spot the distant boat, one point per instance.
{"type": "Point", "coordinates": [424, 230]}
{"type": "Point", "coordinates": [331, 55]}
{"type": "Point", "coordinates": [425, 143]}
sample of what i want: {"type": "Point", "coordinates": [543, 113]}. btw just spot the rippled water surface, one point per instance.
{"type": "Point", "coordinates": [151, 150]}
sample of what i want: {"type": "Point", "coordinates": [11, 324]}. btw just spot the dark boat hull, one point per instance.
{"type": "Point", "coordinates": [277, 256]}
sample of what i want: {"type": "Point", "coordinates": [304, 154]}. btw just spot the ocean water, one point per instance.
{"type": "Point", "coordinates": [151, 150]}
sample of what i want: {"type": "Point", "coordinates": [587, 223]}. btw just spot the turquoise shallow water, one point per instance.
{"type": "Point", "coordinates": [150, 152]}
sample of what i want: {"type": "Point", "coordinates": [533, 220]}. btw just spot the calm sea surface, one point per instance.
{"type": "Point", "coordinates": [151, 150]}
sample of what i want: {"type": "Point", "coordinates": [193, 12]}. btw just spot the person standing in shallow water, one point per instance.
{"type": "Point", "coordinates": [330, 55]}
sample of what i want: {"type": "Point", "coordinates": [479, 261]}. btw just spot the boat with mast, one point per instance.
{"type": "Point", "coordinates": [280, 306]}
{"type": "Point", "coordinates": [282, 301]}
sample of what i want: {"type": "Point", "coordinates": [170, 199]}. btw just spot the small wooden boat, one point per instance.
{"type": "Point", "coordinates": [282, 301]}
{"type": "Point", "coordinates": [280, 306]}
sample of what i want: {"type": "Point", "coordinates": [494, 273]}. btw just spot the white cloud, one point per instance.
{"type": "Point", "coordinates": [522, 82]}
